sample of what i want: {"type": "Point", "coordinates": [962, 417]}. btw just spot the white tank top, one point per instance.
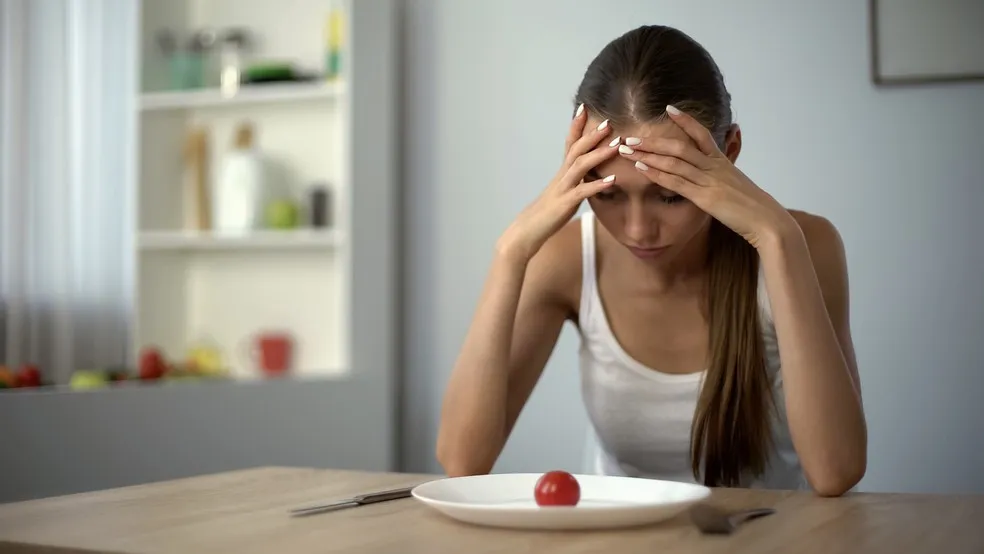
{"type": "Point", "coordinates": [641, 417]}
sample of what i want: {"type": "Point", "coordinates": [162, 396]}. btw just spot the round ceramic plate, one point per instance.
{"type": "Point", "coordinates": [506, 500]}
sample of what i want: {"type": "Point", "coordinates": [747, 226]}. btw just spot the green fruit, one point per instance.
{"type": "Point", "coordinates": [87, 379]}
{"type": "Point", "coordinates": [282, 214]}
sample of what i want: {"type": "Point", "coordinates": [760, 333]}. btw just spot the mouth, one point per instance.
{"type": "Point", "coordinates": [647, 253]}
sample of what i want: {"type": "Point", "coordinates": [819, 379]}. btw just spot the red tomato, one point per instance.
{"type": "Point", "coordinates": [152, 364]}
{"type": "Point", "coordinates": [557, 488]}
{"type": "Point", "coordinates": [29, 376]}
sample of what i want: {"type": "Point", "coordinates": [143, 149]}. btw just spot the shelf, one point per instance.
{"type": "Point", "coordinates": [248, 94]}
{"type": "Point", "coordinates": [232, 287]}
{"type": "Point", "coordinates": [330, 375]}
{"type": "Point", "coordinates": [257, 240]}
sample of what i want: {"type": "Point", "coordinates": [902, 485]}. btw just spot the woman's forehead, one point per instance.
{"type": "Point", "coordinates": [662, 129]}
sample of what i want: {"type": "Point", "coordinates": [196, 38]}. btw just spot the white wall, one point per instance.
{"type": "Point", "coordinates": [898, 171]}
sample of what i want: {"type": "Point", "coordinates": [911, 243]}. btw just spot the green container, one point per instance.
{"type": "Point", "coordinates": [187, 71]}
{"type": "Point", "coordinates": [333, 64]}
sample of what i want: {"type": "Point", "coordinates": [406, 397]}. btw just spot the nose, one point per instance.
{"type": "Point", "coordinates": [638, 224]}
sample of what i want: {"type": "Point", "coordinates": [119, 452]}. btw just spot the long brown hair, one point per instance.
{"type": "Point", "coordinates": [631, 81]}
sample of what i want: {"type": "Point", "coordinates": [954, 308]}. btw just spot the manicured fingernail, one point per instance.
{"type": "Point", "coordinates": [603, 125]}
{"type": "Point", "coordinates": [614, 142]}
{"type": "Point", "coordinates": [633, 141]}
{"type": "Point", "coordinates": [625, 150]}
{"type": "Point", "coordinates": [672, 110]}
{"type": "Point", "coordinates": [580, 110]}
{"type": "Point", "coordinates": [608, 179]}
{"type": "Point", "coordinates": [641, 166]}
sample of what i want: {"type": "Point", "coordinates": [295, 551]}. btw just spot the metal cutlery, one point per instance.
{"type": "Point", "coordinates": [714, 521]}
{"type": "Point", "coordinates": [360, 500]}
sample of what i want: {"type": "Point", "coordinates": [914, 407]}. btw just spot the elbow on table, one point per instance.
{"type": "Point", "coordinates": [458, 462]}
{"type": "Point", "coordinates": [837, 480]}
{"type": "Point", "coordinates": [456, 466]}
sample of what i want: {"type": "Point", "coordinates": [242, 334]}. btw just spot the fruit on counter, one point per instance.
{"type": "Point", "coordinates": [557, 488]}
{"type": "Point", "coordinates": [29, 375]}
{"type": "Point", "coordinates": [117, 374]}
{"type": "Point", "coordinates": [183, 373]}
{"type": "Point", "coordinates": [205, 360]}
{"type": "Point", "coordinates": [152, 364]}
{"type": "Point", "coordinates": [188, 372]}
{"type": "Point", "coordinates": [85, 379]}
{"type": "Point", "coordinates": [8, 379]}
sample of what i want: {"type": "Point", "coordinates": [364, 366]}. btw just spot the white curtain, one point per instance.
{"type": "Point", "coordinates": [67, 82]}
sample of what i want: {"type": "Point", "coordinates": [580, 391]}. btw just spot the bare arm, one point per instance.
{"type": "Point", "coordinates": [806, 276]}
{"type": "Point", "coordinates": [513, 333]}
{"type": "Point", "coordinates": [521, 311]}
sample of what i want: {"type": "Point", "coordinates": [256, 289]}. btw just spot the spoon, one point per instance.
{"type": "Point", "coordinates": [714, 521]}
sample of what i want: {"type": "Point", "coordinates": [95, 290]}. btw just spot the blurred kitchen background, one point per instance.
{"type": "Point", "coordinates": [246, 232]}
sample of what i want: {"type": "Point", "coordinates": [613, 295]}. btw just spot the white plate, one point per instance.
{"type": "Point", "coordinates": [506, 500]}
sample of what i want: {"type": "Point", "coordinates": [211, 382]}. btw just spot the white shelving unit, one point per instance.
{"type": "Point", "coordinates": [197, 285]}
{"type": "Point", "coordinates": [258, 94]}
{"type": "Point", "coordinates": [189, 241]}
{"type": "Point", "coordinates": [336, 290]}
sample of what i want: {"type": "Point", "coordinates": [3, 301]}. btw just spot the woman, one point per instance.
{"type": "Point", "coordinates": [688, 284]}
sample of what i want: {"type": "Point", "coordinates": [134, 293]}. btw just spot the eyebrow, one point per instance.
{"type": "Point", "coordinates": [592, 175]}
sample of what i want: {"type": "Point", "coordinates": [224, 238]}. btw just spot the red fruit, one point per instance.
{"type": "Point", "coordinates": [152, 364]}
{"type": "Point", "coordinates": [29, 376]}
{"type": "Point", "coordinates": [557, 488]}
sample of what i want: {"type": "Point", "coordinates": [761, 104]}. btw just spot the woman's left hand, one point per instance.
{"type": "Point", "coordinates": [699, 171]}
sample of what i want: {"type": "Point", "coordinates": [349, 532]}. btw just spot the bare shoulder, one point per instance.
{"type": "Point", "coordinates": [824, 241]}
{"type": "Point", "coordinates": [556, 269]}
{"type": "Point", "coordinates": [827, 252]}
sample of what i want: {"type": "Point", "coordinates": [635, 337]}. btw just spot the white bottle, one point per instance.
{"type": "Point", "coordinates": [238, 201]}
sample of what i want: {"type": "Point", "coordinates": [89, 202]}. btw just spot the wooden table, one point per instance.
{"type": "Point", "coordinates": [246, 511]}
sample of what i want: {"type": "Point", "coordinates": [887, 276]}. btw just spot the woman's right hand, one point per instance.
{"type": "Point", "coordinates": [559, 202]}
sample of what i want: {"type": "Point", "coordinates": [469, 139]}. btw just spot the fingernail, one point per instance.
{"type": "Point", "coordinates": [614, 142]}
{"type": "Point", "coordinates": [641, 166]}
{"type": "Point", "coordinates": [625, 150]}
{"type": "Point", "coordinates": [608, 179]}
{"type": "Point", "coordinates": [672, 110]}
{"type": "Point", "coordinates": [580, 110]}
{"type": "Point", "coordinates": [633, 141]}
{"type": "Point", "coordinates": [603, 125]}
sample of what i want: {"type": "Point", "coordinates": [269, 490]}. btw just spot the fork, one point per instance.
{"type": "Point", "coordinates": [714, 521]}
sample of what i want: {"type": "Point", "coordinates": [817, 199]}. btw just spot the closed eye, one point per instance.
{"type": "Point", "coordinates": [612, 192]}
{"type": "Point", "coordinates": [591, 175]}
{"type": "Point", "coordinates": [609, 194]}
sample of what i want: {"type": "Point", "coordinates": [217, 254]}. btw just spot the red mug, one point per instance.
{"type": "Point", "coordinates": [272, 353]}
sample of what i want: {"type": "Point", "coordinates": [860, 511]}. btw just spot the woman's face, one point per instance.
{"type": "Point", "coordinates": [655, 224]}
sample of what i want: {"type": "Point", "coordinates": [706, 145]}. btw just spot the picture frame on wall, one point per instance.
{"type": "Point", "coordinates": [922, 41]}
